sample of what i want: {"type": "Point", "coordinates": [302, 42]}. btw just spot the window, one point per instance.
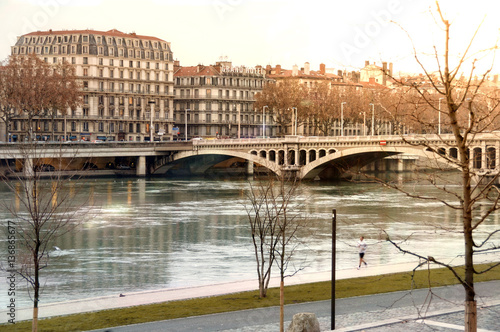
{"type": "Point", "coordinates": [85, 60]}
{"type": "Point", "coordinates": [85, 39]}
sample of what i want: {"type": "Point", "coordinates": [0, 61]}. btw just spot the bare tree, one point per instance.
{"type": "Point", "coordinates": [281, 97]}
{"type": "Point", "coordinates": [469, 107]}
{"type": "Point", "coordinates": [43, 209]}
{"type": "Point", "coordinates": [275, 223]}
{"type": "Point", "coordinates": [32, 89]}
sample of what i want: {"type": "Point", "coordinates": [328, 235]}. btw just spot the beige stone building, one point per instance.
{"type": "Point", "coordinates": [217, 101]}
{"type": "Point", "coordinates": [128, 83]}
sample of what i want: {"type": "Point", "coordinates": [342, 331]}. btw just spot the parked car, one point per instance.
{"type": "Point", "coordinates": [45, 168]}
{"type": "Point", "coordinates": [89, 165]}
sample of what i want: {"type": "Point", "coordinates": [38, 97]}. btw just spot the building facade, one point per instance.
{"type": "Point", "coordinates": [217, 101]}
{"type": "Point", "coordinates": [127, 81]}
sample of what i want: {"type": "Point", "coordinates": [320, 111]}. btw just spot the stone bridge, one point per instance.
{"type": "Point", "coordinates": [305, 157]}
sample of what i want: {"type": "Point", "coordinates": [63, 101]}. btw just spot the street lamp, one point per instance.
{"type": "Point", "coordinates": [364, 123]}
{"type": "Point", "coordinates": [373, 118]}
{"type": "Point", "coordinates": [152, 103]}
{"type": "Point", "coordinates": [186, 123]}
{"type": "Point", "coordinates": [342, 118]}
{"type": "Point", "coordinates": [239, 121]}
{"type": "Point", "coordinates": [294, 120]}
{"type": "Point", "coordinates": [439, 117]}
{"type": "Point", "coordinates": [264, 121]}
{"type": "Point", "coordinates": [334, 265]}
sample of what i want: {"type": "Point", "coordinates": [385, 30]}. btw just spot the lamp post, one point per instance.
{"type": "Point", "coordinates": [334, 245]}
{"type": "Point", "coordinates": [264, 121]}
{"type": "Point", "coordinates": [186, 123]}
{"type": "Point", "coordinates": [373, 119]}
{"type": "Point", "coordinates": [342, 118]}
{"type": "Point", "coordinates": [239, 121]}
{"type": "Point", "coordinates": [364, 123]}
{"type": "Point", "coordinates": [152, 103]}
{"type": "Point", "coordinates": [439, 117]}
{"type": "Point", "coordinates": [294, 120]}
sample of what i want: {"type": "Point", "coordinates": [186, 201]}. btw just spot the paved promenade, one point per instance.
{"type": "Point", "coordinates": [171, 294]}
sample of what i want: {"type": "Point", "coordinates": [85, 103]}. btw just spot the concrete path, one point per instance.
{"type": "Point", "coordinates": [171, 294]}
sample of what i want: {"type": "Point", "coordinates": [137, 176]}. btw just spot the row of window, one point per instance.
{"type": "Point", "coordinates": [208, 94]}
{"type": "Point", "coordinates": [99, 40]}
{"type": "Point", "coordinates": [74, 49]}
{"type": "Point", "coordinates": [86, 126]}
{"type": "Point", "coordinates": [223, 81]}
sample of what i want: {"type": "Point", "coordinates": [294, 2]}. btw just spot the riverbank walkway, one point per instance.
{"type": "Point", "coordinates": [171, 294]}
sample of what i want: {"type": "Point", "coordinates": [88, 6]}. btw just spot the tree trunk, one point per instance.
{"type": "Point", "coordinates": [282, 305]}
{"type": "Point", "coordinates": [34, 324]}
{"type": "Point", "coordinates": [470, 316]}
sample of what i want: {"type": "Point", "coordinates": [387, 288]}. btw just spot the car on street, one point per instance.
{"type": "Point", "coordinates": [45, 168]}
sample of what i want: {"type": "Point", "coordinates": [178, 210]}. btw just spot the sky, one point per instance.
{"type": "Point", "coordinates": [341, 34]}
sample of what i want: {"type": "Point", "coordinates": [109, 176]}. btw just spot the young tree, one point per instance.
{"type": "Point", "coordinates": [43, 209]}
{"type": "Point", "coordinates": [275, 222]}
{"type": "Point", "coordinates": [468, 107]}
{"type": "Point", "coordinates": [31, 89]}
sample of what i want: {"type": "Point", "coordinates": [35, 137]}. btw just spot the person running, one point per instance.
{"type": "Point", "coordinates": [362, 249]}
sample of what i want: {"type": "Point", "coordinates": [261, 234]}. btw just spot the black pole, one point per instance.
{"type": "Point", "coordinates": [334, 240]}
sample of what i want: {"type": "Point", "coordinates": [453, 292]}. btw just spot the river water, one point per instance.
{"type": "Point", "coordinates": [143, 234]}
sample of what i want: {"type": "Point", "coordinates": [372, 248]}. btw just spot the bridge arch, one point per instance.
{"type": "Point", "coordinates": [357, 154]}
{"type": "Point", "coordinates": [252, 157]}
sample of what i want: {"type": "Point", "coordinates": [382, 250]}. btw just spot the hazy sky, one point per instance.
{"type": "Point", "coordinates": [340, 33]}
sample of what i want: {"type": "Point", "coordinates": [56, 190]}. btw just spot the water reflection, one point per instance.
{"type": "Point", "coordinates": [156, 233]}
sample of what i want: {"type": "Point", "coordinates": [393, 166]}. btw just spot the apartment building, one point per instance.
{"type": "Point", "coordinates": [128, 83]}
{"type": "Point", "coordinates": [217, 101]}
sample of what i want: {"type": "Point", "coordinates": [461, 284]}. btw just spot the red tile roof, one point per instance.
{"type": "Point", "coordinates": [197, 71]}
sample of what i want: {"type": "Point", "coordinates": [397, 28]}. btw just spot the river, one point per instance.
{"type": "Point", "coordinates": [143, 234]}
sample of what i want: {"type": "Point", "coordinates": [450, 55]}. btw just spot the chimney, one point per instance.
{"type": "Point", "coordinates": [390, 69]}
{"type": "Point", "coordinates": [278, 70]}
{"type": "Point", "coordinates": [339, 72]}
{"type": "Point", "coordinates": [295, 70]}
{"type": "Point", "coordinates": [384, 73]}
{"type": "Point", "coordinates": [177, 65]}
{"type": "Point", "coordinates": [268, 69]}
{"type": "Point", "coordinates": [307, 68]}
{"type": "Point", "coordinates": [367, 63]}
{"type": "Point", "coordinates": [322, 69]}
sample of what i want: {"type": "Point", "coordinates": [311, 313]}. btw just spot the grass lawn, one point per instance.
{"type": "Point", "coordinates": [248, 300]}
